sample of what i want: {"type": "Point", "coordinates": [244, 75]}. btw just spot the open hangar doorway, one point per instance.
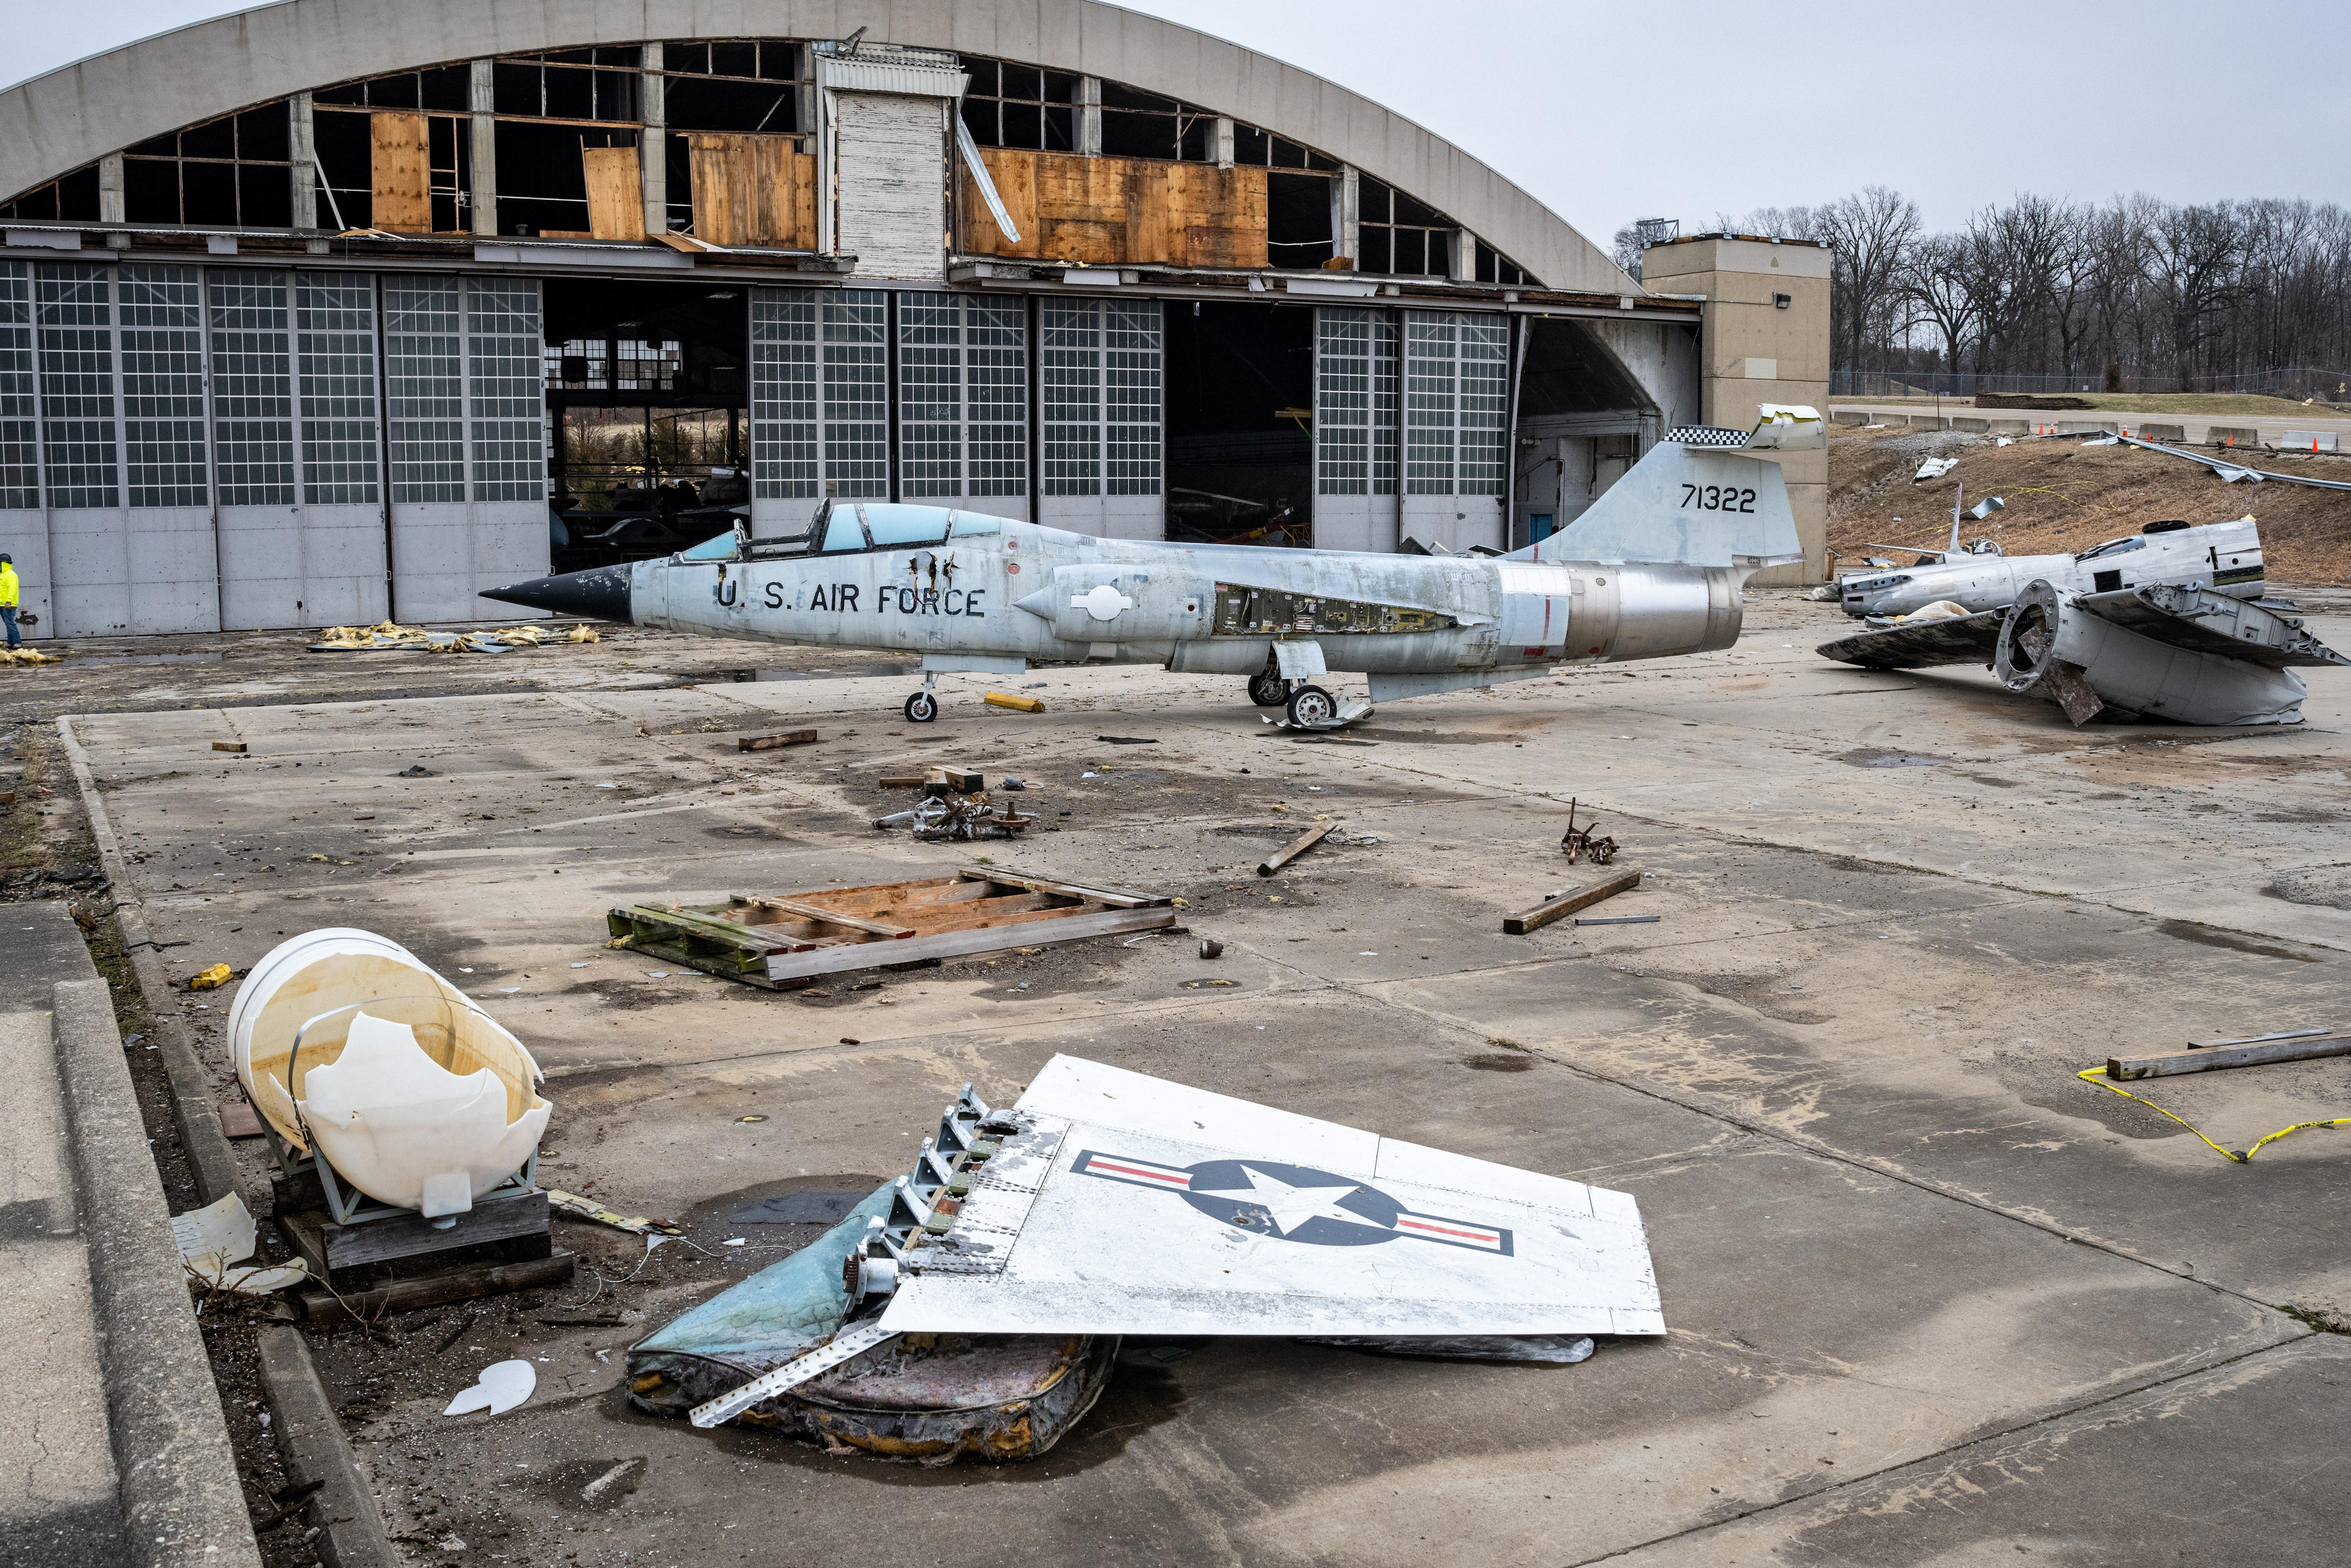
{"type": "Point", "coordinates": [647, 406]}
{"type": "Point", "coordinates": [1582, 421]}
{"type": "Point", "coordinates": [1239, 422]}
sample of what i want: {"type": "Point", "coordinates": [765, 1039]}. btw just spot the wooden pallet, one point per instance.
{"type": "Point", "coordinates": [785, 941]}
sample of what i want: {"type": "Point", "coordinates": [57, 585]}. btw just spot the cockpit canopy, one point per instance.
{"type": "Point", "coordinates": [844, 527]}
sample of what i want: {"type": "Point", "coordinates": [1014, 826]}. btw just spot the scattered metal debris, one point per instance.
{"type": "Point", "coordinates": [960, 817]}
{"type": "Point", "coordinates": [1211, 948]}
{"type": "Point", "coordinates": [1619, 920]}
{"type": "Point", "coordinates": [588, 1209]}
{"type": "Point", "coordinates": [785, 941]}
{"type": "Point", "coordinates": [1579, 843]}
{"type": "Point", "coordinates": [2209, 1055]}
{"type": "Point", "coordinates": [2233, 472]}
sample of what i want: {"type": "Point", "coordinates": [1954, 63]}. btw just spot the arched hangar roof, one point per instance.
{"type": "Point", "coordinates": [75, 115]}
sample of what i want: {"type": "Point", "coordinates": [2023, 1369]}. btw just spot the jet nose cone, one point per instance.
{"type": "Point", "coordinates": [602, 593]}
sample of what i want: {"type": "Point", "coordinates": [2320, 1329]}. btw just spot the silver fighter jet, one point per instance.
{"type": "Point", "coordinates": [1654, 568]}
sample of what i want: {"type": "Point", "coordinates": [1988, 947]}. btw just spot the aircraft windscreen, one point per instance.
{"type": "Point", "coordinates": [719, 548]}
{"type": "Point", "coordinates": [844, 532]}
{"type": "Point", "coordinates": [2112, 547]}
{"type": "Point", "coordinates": [896, 524]}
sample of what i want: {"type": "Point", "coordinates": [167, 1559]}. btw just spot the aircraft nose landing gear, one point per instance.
{"type": "Point", "coordinates": [1268, 689]}
{"type": "Point", "coordinates": [922, 708]}
{"type": "Point", "coordinates": [1311, 706]}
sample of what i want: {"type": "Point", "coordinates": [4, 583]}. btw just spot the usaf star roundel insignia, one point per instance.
{"type": "Point", "coordinates": [1293, 1202]}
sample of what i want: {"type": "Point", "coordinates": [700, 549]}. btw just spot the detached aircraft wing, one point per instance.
{"type": "Point", "coordinates": [1922, 644]}
{"type": "Point", "coordinates": [1106, 1202]}
{"type": "Point", "coordinates": [1136, 1205]}
{"type": "Point", "coordinates": [2199, 620]}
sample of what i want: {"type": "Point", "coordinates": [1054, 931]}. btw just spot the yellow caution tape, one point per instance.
{"type": "Point", "coordinates": [2097, 1075]}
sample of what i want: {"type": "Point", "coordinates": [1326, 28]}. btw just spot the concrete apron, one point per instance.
{"type": "Point", "coordinates": [1905, 1255]}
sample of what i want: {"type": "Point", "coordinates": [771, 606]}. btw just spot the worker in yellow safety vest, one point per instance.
{"type": "Point", "coordinates": [9, 597]}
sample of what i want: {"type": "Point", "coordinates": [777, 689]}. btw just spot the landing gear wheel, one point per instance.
{"type": "Point", "coordinates": [1268, 690]}
{"type": "Point", "coordinates": [1311, 705]}
{"type": "Point", "coordinates": [921, 707]}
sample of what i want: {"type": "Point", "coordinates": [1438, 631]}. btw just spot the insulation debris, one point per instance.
{"type": "Point", "coordinates": [392, 634]}
{"type": "Point", "coordinates": [27, 656]}
{"type": "Point", "coordinates": [502, 1385]}
{"type": "Point", "coordinates": [969, 1307]}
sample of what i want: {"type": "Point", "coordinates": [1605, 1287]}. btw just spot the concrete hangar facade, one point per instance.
{"type": "Point", "coordinates": [294, 303]}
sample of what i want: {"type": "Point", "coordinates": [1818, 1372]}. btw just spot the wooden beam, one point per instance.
{"type": "Point", "coordinates": [962, 943]}
{"type": "Point", "coordinates": [818, 911]}
{"type": "Point", "coordinates": [2211, 1058]}
{"type": "Point", "coordinates": [1543, 915]}
{"type": "Point", "coordinates": [770, 742]}
{"type": "Point", "coordinates": [324, 1307]}
{"type": "Point", "coordinates": [1292, 850]}
{"type": "Point", "coordinates": [1117, 896]}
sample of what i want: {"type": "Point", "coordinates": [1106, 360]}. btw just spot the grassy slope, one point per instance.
{"type": "Point", "coordinates": [2061, 496]}
{"type": "Point", "coordinates": [2151, 402]}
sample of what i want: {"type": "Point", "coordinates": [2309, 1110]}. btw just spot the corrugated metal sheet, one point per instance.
{"type": "Point", "coordinates": [876, 76]}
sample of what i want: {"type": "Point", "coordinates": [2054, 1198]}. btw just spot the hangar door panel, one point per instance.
{"type": "Point", "coordinates": [890, 153]}
{"type": "Point", "coordinates": [1355, 376]}
{"type": "Point", "coordinates": [1456, 441]}
{"type": "Point", "coordinates": [819, 401]}
{"type": "Point", "coordinates": [464, 381]}
{"type": "Point", "coordinates": [121, 394]}
{"type": "Point", "coordinates": [286, 562]}
{"type": "Point", "coordinates": [24, 528]}
{"type": "Point", "coordinates": [1102, 375]}
{"type": "Point", "coordinates": [963, 402]}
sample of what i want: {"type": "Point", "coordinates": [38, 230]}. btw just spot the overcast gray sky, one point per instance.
{"type": "Point", "coordinates": [1611, 111]}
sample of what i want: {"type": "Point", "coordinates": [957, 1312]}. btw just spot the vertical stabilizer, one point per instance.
{"type": "Point", "coordinates": [1696, 497]}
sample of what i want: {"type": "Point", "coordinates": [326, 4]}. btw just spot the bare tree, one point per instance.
{"type": "Point", "coordinates": [1940, 286]}
{"type": "Point", "coordinates": [2194, 253]}
{"type": "Point", "coordinates": [1870, 234]}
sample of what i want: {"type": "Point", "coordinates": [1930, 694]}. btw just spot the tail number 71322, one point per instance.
{"type": "Point", "coordinates": [1717, 498]}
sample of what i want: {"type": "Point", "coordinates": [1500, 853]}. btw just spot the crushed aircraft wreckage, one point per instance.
{"type": "Point", "coordinates": [1652, 568]}
{"type": "Point", "coordinates": [2183, 652]}
{"type": "Point", "coordinates": [975, 1305]}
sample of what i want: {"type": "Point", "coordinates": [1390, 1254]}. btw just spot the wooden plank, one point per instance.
{"type": "Point", "coordinates": [770, 742]}
{"type": "Point", "coordinates": [400, 172]}
{"type": "Point", "coordinates": [616, 192]}
{"type": "Point", "coordinates": [835, 917]}
{"type": "Point", "coordinates": [2209, 1059]}
{"type": "Point", "coordinates": [325, 1309]}
{"type": "Point", "coordinates": [962, 943]}
{"type": "Point", "coordinates": [1292, 850]}
{"type": "Point", "coordinates": [1543, 915]}
{"type": "Point", "coordinates": [1122, 897]}
{"type": "Point", "coordinates": [1014, 173]}
{"type": "Point", "coordinates": [686, 243]}
{"type": "Point", "coordinates": [782, 193]}
{"type": "Point", "coordinates": [721, 174]}
{"type": "Point", "coordinates": [413, 1234]}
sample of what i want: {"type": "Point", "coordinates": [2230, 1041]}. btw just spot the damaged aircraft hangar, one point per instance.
{"type": "Point", "coordinates": [313, 328]}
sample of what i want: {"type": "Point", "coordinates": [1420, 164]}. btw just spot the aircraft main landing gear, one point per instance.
{"type": "Point", "coordinates": [922, 708]}
{"type": "Point", "coordinates": [1268, 689]}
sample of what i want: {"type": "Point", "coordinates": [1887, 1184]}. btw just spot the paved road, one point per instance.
{"type": "Point", "coordinates": [2196, 427]}
{"type": "Point", "coordinates": [59, 1504]}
